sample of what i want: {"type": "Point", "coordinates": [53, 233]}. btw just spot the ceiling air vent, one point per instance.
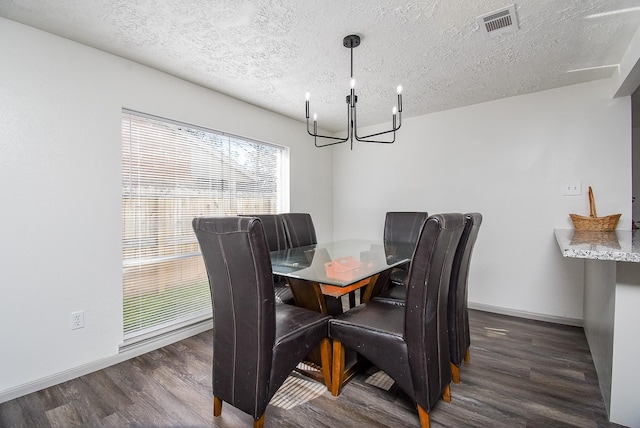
{"type": "Point", "coordinates": [499, 22]}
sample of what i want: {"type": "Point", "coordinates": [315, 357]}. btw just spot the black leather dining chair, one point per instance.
{"type": "Point", "coordinates": [402, 228]}
{"type": "Point", "coordinates": [256, 343]}
{"type": "Point", "coordinates": [410, 343]}
{"type": "Point", "coordinates": [301, 232]}
{"type": "Point", "coordinates": [457, 309]}
{"type": "Point", "coordinates": [276, 241]}
{"type": "Point", "coordinates": [299, 229]}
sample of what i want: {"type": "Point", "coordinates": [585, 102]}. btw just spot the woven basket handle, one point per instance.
{"type": "Point", "coordinates": [592, 204]}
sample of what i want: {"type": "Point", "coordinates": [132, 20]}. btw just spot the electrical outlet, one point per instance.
{"type": "Point", "coordinates": [572, 188]}
{"type": "Point", "coordinates": [77, 320]}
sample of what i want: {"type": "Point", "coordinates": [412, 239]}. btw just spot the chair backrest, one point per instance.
{"type": "Point", "coordinates": [458, 313]}
{"type": "Point", "coordinates": [426, 306]}
{"type": "Point", "coordinates": [403, 226]}
{"type": "Point", "coordinates": [273, 230]}
{"type": "Point", "coordinates": [237, 260]}
{"type": "Point", "coordinates": [299, 229]}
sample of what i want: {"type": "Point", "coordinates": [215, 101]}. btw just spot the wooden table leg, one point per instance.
{"type": "Point", "coordinates": [310, 295]}
{"type": "Point", "coordinates": [325, 351]}
{"type": "Point", "coordinates": [337, 375]}
{"type": "Point", "coordinates": [375, 286]}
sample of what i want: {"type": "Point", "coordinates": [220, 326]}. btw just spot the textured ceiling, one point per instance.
{"type": "Point", "coordinates": [271, 52]}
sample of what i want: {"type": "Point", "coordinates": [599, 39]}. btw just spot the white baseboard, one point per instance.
{"type": "Point", "coordinates": [528, 315]}
{"type": "Point", "coordinates": [130, 352]}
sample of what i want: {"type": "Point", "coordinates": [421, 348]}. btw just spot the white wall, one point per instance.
{"type": "Point", "coordinates": [508, 160]}
{"type": "Point", "coordinates": [60, 222]}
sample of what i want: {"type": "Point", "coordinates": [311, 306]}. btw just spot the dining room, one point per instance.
{"type": "Point", "coordinates": [507, 156]}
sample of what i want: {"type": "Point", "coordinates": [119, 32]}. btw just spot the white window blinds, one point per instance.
{"type": "Point", "coordinates": [171, 173]}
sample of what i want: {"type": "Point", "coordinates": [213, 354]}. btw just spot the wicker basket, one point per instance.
{"type": "Point", "coordinates": [593, 222]}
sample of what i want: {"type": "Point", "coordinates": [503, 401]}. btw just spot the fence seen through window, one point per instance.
{"type": "Point", "coordinates": [171, 173]}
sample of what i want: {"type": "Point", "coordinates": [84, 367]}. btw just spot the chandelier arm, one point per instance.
{"type": "Point", "coordinates": [378, 141]}
{"type": "Point", "coordinates": [315, 142]}
{"type": "Point", "coordinates": [342, 140]}
{"type": "Point", "coordinates": [316, 136]}
{"type": "Point", "coordinates": [364, 138]}
{"type": "Point", "coordinates": [359, 138]}
{"type": "Point", "coordinates": [324, 136]}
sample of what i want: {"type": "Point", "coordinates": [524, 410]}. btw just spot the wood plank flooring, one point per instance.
{"type": "Point", "coordinates": [522, 373]}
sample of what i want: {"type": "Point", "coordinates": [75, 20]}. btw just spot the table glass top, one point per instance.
{"type": "Point", "coordinates": [340, 263]}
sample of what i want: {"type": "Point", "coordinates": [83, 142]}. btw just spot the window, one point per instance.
{"type": "Point", "coordinates": [171, 173]}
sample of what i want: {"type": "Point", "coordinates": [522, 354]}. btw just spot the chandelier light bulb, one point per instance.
{"type": "Point", "coordinates": [307, 95]}
{"type": "Point", "coordinates": [353, 83]}
{"type": "Point", "coordinates": [394, 110]}
{"type": "Point", "coordinates": [399, 89]}
{"type": "Point", "coordinates": [315, 117]}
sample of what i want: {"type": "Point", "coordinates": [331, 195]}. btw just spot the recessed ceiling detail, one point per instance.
{"type": "Point", "coordinates": [499, 22]}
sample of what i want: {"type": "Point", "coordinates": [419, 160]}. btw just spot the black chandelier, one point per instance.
{"type": "Point", "coordinates": [353, 41]}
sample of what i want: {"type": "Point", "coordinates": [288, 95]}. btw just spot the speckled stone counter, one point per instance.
{"type": "Point", "coordinates": [610, 313]}
{"type": "Point", "coordinates": [618, 246]}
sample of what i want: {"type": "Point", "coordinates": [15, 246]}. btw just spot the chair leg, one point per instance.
{"type": "Point", "coordinates": [446, 395]}
{"type": "Point", "coordinates": [325, 357]}
{"type": "Point", "coordinates": [467, 357]}
{"type": "Point", "coordinates": [217, 406]}
{"type": "Point", "coordinates": [259, 423]}
{"type": "Point", "coordinates": [455, 373]}
{"type": "Point", "coordinates": [337, 377]}
{"type": "Point", "coordinates": [424, 417]}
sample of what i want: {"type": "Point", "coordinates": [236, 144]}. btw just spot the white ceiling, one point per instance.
{"type": "Point", "coordinates": [271, 52]}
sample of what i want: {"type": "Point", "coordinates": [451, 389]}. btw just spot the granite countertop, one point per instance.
{"type": "Point", "coordinates": [618, 245]}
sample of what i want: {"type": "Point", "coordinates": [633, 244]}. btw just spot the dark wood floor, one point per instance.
{"type": "Point", "coordinates": [522, 374]}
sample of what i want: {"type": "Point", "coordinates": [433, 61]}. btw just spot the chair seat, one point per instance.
{"type": "Point", "coordinates": [298, 330]}
{"type": "Point", "coordinates": [293, 320]}
{"type": "Point", "coordinates": [374, 316]}
{"type": "Point", "coordinates": [376, 330]}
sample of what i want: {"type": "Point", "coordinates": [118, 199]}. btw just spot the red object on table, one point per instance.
{"type": "Point", "coordinates": [343, 268]}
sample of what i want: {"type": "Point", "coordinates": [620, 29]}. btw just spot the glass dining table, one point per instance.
{"type": "Point", "coordinates": [338, 268]}
{"type": "Point", "coordinates": [320, 274]}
